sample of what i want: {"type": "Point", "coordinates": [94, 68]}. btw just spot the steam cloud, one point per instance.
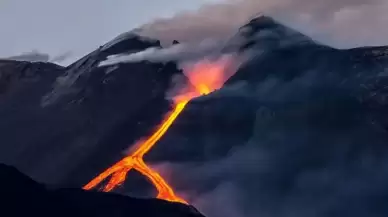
{"type": "Point", "coordinates": [340, 23]}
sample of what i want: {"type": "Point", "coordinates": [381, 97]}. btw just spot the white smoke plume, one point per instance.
{"type": "Point", "coordinates": [178, 52]}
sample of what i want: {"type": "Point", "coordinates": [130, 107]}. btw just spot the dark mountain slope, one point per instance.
{"type": "Point", "coordinates": [15, 75]}
{"type": "Point", "coordinates": [22, 196]}
{"type": "Point", "coordinates": [82, 113]}
{"type": "Point", "coordinates": [300, 129]}
{"type": "Point", "coordinates": [231, 112]}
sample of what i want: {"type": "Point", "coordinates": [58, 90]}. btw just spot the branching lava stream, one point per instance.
{"type": "Point", "coordinates": [135, 161]}
{"type": "Point", "coordinates": [199, 77]}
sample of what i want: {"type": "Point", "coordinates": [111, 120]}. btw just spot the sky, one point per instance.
{"type": "Point", "coordinates": [73, 28]}
{"type": "Point", "coordinates": [339, 23]}
{"type": "Point", "coordinates": [57, 26]}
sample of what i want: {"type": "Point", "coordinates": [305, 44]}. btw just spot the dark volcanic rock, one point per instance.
{"type": "Point", "coordinates": [282, 53]}
{"type": "Point", "coordinates": [72, 122]}
{"type": "Point", "coordinates": [299, 130]}
{"type": "Point", "coordinates": [322, 149]}
{"type": "Point", "coordinates": [22, 196]}
{"type": "Point", "coordinates": [15, 75]}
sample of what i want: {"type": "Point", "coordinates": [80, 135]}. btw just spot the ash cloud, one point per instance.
{"type": "Point", "coordinates": [340, 23]}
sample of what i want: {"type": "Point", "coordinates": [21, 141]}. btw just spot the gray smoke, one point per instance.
{"type": "Point", "coordinates": [61, 57]}
{"type": "Point", "coordinates": [340, 23]}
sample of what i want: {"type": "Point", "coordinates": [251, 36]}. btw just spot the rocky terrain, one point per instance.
{"type": "Point", "coordinates": [23, 196]}
{"type": "Point", "coordinates": [66, 113]}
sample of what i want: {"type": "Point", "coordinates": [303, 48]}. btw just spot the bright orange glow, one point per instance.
{"type": "Point", "coordinates": [135, 161]}
{"type": "Point", "coordinates": [205, 77]}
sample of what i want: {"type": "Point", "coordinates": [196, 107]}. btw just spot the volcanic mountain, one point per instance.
{"type": "Point", "coordinates": [300, 128]}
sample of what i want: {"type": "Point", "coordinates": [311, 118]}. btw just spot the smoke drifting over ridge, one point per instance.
{"type": "Point", "coordinates": [293, 165]}
{"type": "Point", "coordinates": [206, 31]}
{"type": "Point", "coordinates": [333, 22]}
{"type": "Point", "coordinates": [177, 52]}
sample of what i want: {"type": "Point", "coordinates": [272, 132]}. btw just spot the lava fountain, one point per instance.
{"type": "Point", "coordinates": [205, 77]}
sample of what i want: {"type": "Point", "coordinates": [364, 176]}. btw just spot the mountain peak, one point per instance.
{"type": "Point", "coordinates": [132, 38]}
{"type": "Point", "coordinates": [259, 23]}
{"type": "Point", "coordinates": [265, 32]}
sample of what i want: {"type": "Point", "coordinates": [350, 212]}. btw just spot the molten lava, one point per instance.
{"type": "Point", "coordinates": [135, 161]}
{"type": "Point", "coordinates": [205, 77]}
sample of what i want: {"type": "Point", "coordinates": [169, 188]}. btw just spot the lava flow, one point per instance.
{"type": "Point", "coordinates": [205, 77]}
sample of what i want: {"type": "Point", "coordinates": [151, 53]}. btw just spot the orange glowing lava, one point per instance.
{"type": "Point", "coordinates": [205, 77]}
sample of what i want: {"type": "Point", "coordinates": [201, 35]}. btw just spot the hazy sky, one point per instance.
{"type": "Point", "coordinates": [58, 26]}
{"type": "Point", "coordinates": [339, 23]}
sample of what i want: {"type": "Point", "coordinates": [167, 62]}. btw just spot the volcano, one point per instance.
{"type": "Point", "coordinates": [300, 128]}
